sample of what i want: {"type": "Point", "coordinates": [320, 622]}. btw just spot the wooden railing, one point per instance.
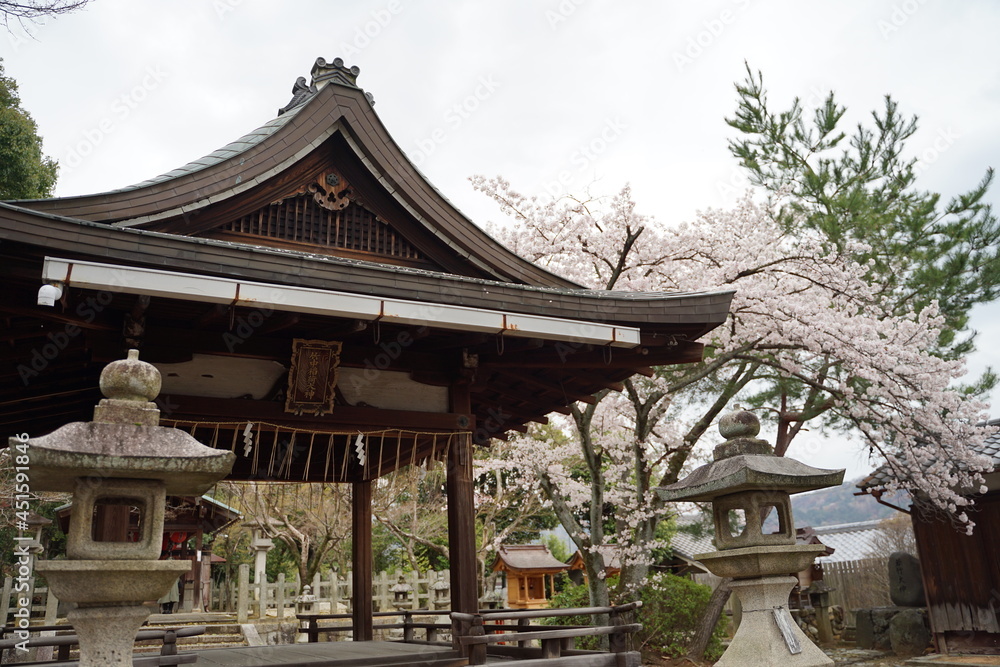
{"type": "Point", "coordinates": [408, 624]}
{"type": "Point", "coordinates": [489, 632]}
{"type": "Point", "coordinates": [476, 638]}
{"type": "Point", "coordinates": [64, 642]}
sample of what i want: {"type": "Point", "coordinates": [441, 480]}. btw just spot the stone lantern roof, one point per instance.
{"type": "Point", "coordinates": [746, 463]}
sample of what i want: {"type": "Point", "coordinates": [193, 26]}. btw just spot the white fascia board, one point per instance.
{"type": "Point", "coordinates": [307, 300]}
{"type": "Point", "coordinates": [129, 280]}
{"type": "Point", "coordinates": [210, 289]}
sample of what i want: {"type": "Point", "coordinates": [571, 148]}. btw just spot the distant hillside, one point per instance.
{"type": "Point", "coordinates": [836, 505]}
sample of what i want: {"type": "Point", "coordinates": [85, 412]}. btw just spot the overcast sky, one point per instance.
{"type": "Point", "coordinates": [607, 92]}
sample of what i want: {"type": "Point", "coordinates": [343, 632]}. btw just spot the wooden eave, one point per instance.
{"type": "Point", "coordinates": [338, 120]}
{"type": "Point", "coordinates": [515, 381]}
{"type": "Point", "coordinates": [685, 316]}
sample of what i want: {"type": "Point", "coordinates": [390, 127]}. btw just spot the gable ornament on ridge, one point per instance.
{"type": "Point", "coordinates": [323, 73]}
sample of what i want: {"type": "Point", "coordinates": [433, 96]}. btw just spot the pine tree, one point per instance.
{"type": "Point", "coordinates": [863, 188]}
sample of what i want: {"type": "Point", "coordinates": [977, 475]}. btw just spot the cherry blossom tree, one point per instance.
{"type": "Point", "coordinates": [806, 315]}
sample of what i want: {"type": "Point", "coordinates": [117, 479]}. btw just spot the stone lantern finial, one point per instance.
{"type": "Point", "coordinates": [739, 428]}
{"type": "Point", "coordinates": [130, 385]}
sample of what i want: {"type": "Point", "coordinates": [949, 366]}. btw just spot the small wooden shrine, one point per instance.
{"type": "Point", "coordinates": [578, 569]}
{"type": "Point", "coordinates": [531, 571]}
{"type": "Point", "coordinates": [316, 307]}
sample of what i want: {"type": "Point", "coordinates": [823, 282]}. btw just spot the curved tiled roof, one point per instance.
{"type": "Point", "coordinates": [257, 160]}
{"type": "Point", "coordinates": [229, 151]}
{"type": "Point", "coordinates": [990, 447]}
{"type": "Point", "coordinates": [686, 544]}
{"type": "Point", "coordinates": [851, 541]}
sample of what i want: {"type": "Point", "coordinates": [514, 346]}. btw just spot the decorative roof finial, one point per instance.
{"type": "Point", "coordinates": [322, 74]}
{"type": "Point", "coordinates": [335, 72]}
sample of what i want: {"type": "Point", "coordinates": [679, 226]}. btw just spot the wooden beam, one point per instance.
{"type": "Point", "coordinates": [279, 322]}
{"type": "Point", "coordinates": [462, 517]}
{"type": "Point", "coordinates": [53, 315]}
{"type": "Point", "coordinates": [556, 388]}
{"type": "Point", "coordinates": [609, 358]}
{"type": "Point", "coordinates": [193, 407]}
{"type": "Point", "coordinates": [216, 313]}
{"type": "Point", "coordinates": [336, 332]}
{"type": "Point", "coordinates": [361, 556]}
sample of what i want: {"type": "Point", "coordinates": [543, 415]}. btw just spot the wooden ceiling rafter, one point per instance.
{"type": "Point", "coordinates": [552, 387]}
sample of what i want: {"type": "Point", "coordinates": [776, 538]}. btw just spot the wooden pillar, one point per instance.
{"type": "Point", "coordinates": [361, 555]}
{"type": "Point", "coordinates": [462, 513]}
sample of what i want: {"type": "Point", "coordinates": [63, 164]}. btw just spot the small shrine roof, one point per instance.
{"type": "Point", "coordinates": [852, 541]}
{"type": "Point", "coordinates": [527, 558]}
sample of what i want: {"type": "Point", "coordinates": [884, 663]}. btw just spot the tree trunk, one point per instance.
{"type": "Point", "coordinates": [696, 651]}
{"type": "Point", "coordinates": [597, 585]}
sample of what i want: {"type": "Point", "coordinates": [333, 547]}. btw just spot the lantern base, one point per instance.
{"type": "Point", "coordinates": [768, 635]}
{"type": "Point", "coordinates": [107, 634]}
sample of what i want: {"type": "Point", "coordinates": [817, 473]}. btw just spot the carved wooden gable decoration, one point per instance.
{"type": "Point", "coordinates": [327, 216]}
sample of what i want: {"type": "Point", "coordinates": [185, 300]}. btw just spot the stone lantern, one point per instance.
{"type": "Point", "coordinates": [441, 589]}
{"type": "Point", "coordinates": [746, 483]}
{"type": "Point", "coordinates": [401, 594]}
{"type": "Point", "coordinates": [121, 463]}
{"type": "Point", "coordinates": [304, 604]}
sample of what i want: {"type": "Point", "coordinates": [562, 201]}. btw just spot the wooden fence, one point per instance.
{"type": "Point", "coordinates": [332, 593]}
{"type": "Point", "coordinates": [858, 584]}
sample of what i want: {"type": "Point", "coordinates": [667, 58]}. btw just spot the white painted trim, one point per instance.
{"type": "Point", "coordinates": [210, 289]}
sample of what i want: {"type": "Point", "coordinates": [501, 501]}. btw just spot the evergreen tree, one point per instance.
{"type": "Point", "coordinates": [25, 173]}
{"type": "Point", "coordinates": [862, 187]}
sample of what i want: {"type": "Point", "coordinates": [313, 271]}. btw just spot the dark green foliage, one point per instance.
{"type": "Point", "coordinates": [862, 187]}
{"type": "Point", "coordinates": [569, 597]}
{"type": "Point", "coordinates": [25, 173]}
{"type": "Point", "coordinates": [672, 606]}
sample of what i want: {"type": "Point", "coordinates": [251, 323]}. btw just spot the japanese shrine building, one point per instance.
{"type": "Point", "coordinates": [317, 307]}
